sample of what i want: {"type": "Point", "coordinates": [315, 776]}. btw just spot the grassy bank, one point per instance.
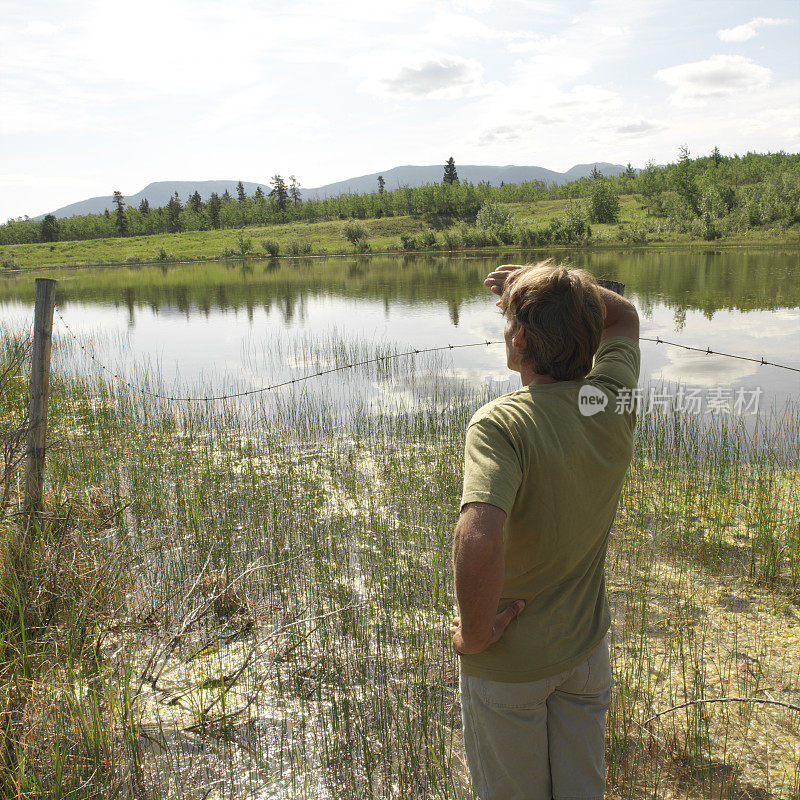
{"type": "Point", "coordinates": [282, 590]}
{"type": "Point", "coordinates": [387, 234]}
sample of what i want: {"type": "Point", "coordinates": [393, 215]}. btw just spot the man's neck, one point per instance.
{"type": "Point", "coordinates": [530, 377]}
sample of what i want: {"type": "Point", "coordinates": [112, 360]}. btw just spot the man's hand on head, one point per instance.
{"type": "Point", "coordinates": [496, 280]}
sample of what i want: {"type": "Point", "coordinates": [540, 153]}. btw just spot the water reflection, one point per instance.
{"type": "Point", "coordinates": [198, 321]}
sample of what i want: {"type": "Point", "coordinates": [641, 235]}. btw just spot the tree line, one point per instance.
{"type": "Point", "coordinates": [708, 196]}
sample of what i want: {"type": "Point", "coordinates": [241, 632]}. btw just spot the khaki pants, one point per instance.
{"type": "Point", "coordinates": [539, 740]}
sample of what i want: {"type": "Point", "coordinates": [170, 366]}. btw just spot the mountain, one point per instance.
{"type": "Point", "coordinates": [159, 193]}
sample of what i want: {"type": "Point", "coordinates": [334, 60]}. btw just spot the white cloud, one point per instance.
{"type": "Point", "coordinates": [741, 33]}
{"type": "Point", "coordinates": [434, 75]}
{"type": "Point", "coordinates": [718, 76]}
{"type": "Point", "coordinates": [634, 127]}
{"type": "Point", "coordinates": [37, 27]}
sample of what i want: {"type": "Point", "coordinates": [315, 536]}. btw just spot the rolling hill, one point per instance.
{"type": "Point", "coordinates": [159, 192]}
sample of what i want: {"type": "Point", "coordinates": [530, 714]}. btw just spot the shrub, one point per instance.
{"type": "Point", "coordinates": [428, 238]}
{"type": "Point", "coordinates": [133, 260]}
{"type": "Point", "coordinates": [244, 244]}
{"type": "Point", "coordinates": [452, 239]}
{"type": "Point", "coordinates": [572, 228]}
{"type": "Point", "coordinates": [163, 255]}
{"type": "Point", "coordinates": [408, 242]}
{"type": "Point", "coordinates": [293, 248]}
{"type": "Point", "coordinates": [493, 215]}
{"type": "Point", "coordinates": [355, 232]}
{"type": "Point", "coordinates": [532, 237]}
{"type": "Point", "coordinates": [270, 247]}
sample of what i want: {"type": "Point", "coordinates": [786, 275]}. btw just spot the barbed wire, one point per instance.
{"type": "Point", "coordinates": [709, 352]}
{"type": "Point", "coordinates": [364, 362]}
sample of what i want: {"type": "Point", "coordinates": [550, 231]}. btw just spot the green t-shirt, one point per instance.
{"type": "Point", "coordinates": [556, 469]}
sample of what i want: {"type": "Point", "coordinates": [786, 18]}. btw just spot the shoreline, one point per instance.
{"type": "Point", "coordinates": [604, 245]}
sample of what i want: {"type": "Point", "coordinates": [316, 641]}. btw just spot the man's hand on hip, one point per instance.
{"type": "Point", "coordinates": [501, 622]}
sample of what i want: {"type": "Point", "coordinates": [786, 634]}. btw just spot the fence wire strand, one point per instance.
{"type": "Point", "coordinates": [378, 359]}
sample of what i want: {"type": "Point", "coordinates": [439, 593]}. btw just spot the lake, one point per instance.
{"type": "Point", "coordinates": [235, 326]}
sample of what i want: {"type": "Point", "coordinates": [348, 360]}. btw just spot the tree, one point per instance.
{"type": "Point", "coordinates": [381, 184]}
{"type": "Point", "coordinates": [684, 182]}
{"type": "Point", "coordinates": [450, 173]}
{"type": "Point", "coordinates": [294, 190]}
{"type": "Point", "coordinates": [226, 196]}
{"type": "Point", "coordinates": [279, 192]}
{"type": "Point", "coordinates": [144, 206]}
{"type": "Point", "coordinates": [716, 155]}
{"type": "Point", "coordinates": [259, 195]}
{"type": "Point", "coordinates": [603, 203]}
{"type": "Point", "coordinates": [49, 229]}
{"type": "Point", "coordinates": [240, 192]}
{"type": "Point", "coordinates": [196, 202]}
{"type": "Point", "coordinates": [595, 174]}
{"type": "Point", "coordinates": [121, 221]}
{"type": "Point", "coordinates": [650, 187]}
{"type": "Point", "coordinates": [214, 205]}
{"type": "Point", "coordinates": [174, 209]}
{"type": "Point", "coordinates": [630, 172]}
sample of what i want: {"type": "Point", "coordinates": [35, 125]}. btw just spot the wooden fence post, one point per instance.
{"type": "Point", "coordinates": [39, 392]}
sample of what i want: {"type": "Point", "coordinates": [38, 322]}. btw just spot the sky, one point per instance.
{"type": "Point", "coordinates": [98, 95]}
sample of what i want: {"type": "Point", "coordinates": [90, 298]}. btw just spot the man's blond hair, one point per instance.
{"type": "Point", "coordinates": [561, 311]}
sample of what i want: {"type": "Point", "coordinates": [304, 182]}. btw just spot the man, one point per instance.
{"type": "Point", "coordinates": [544, 466]}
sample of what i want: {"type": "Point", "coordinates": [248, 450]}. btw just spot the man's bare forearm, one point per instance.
{"type": "Point", "coordinates": [617, 307]}
{"type": "Point", "coordinates": [479, 570]}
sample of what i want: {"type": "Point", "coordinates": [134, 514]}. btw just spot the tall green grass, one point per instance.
{"type": "Point", "coordinates": [284, 584]}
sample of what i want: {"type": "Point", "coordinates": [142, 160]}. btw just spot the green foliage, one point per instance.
{"type": "Point", "coordinates": [49, 229]}
{"type": "Point", "coordinates": [754, 192]}
{"type": "Point", "coordinates": [120, 221]}
{"type": "Point", "coordinates": [492, 215]}
{"type": "Point", "coordinates": [450, 173]}
{"type": "Point", "coordinates": [603, 203]}
{"type": "Point", "coordinates": [279, 193]}
{"type": "Point", "coordinates": [271, 247]}
{"type": "Point", "coordinates": [572, 228]}
{"type": "Point", "coordinates": [684, 182]}
{"type": "Point", "coordinates": [355, 232]}
{"type": "Point", "coordinates": [244, 245]}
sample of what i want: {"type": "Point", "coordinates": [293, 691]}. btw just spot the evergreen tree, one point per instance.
{"type": "Point", "coordinates": [49, 229]}
{"type": "Point", "coordinates": [196, 202]}
{"type": "Point", "coordinates": [381, 184]}
{"type": "Point", "coordinates": [107, 214]}
{"type": "Point", "coordinates": [226, 196]}
{"type": "Point", "coordinates": [595, 174]}
{"type": "Point", "coordinates": [144, 206]}
{"type": "Point", "coordinates": [174, 209]}
{"type": "Point", "coordinates": [121, 221]}
{"type": "Point", "coordinates": [279, 192]}
{"type": "Point", "coordinates": [259, 194]}
{"type": "Point", "coordinates": [450, 173]}
{"type": "Point", "coordinates": [240, 192]}
{"type": "Point", "coordinates": [214, 205]}
{"type": "Point", "coordinates": [716, 155]}
{"type": "Point", "coordinates": [294, 190]}
{"type": "Point", "coordinates": [630, 172]}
